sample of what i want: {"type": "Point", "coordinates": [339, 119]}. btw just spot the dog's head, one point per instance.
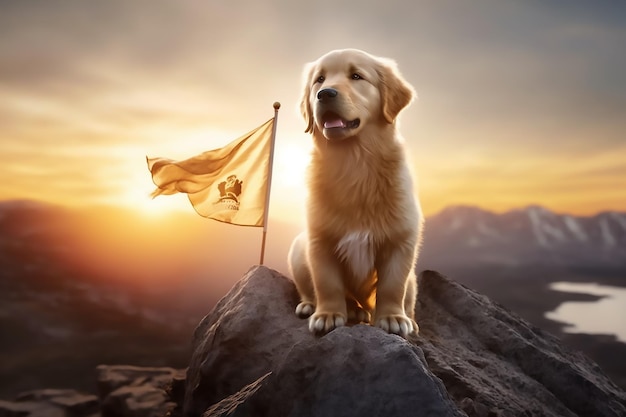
{"type": "Point", "coordinates": [347, 89]}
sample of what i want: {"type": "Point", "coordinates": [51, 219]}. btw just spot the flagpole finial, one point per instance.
{"type": "Point", "coordinates": [276, 105]}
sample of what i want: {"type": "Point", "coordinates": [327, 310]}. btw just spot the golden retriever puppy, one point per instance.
{"type": "Point", "coordinates": [356, 260]}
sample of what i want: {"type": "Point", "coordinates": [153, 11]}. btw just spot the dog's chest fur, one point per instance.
{"type": "Point", "coordinates": [356, 251]}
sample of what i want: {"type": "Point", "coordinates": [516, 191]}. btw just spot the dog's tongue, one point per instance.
{"type": "Point", "coordinates": [332, 123]}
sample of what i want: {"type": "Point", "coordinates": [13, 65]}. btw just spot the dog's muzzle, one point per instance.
{"type": "Point", "coordinates": [334, 125]}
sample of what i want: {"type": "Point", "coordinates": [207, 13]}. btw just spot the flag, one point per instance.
{"type": "Point", "coordinates": [228, 184]}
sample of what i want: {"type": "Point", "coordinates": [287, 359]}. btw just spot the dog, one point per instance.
{"type": "Point", "coordinates": [355, 261]}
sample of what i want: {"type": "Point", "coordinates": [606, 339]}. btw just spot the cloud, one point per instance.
{"type": "Point", "coordinates": [495, 79]}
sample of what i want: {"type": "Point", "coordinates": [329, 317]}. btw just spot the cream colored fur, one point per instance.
{"type": "Point", "coordinates": [356, 260]}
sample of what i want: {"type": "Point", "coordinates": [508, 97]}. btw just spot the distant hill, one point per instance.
{"type": "Point", "coordinates": [117, 245]}
{"type": "Point", "coordinates": [532, 235]}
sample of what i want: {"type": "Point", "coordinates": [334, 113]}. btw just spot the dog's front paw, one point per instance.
{"type": "Point", "coordinates": [325, 322]}
{"type": "Point", "coordinates": [398, 324]}
{"type": "Point", "coordinates": [305, 309]}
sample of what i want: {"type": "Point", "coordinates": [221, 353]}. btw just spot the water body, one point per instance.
{"type": "Point", "coordinates": [604, 316]}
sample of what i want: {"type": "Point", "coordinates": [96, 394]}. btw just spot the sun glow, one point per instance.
{"type": "Point", "coordinates": [290, 162]}
{"type": "Point", "coordinates": [134, 188]}
{"type": "Point", "coordinates": [159, 206]}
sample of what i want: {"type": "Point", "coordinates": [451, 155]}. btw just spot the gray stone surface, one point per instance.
{"type": "Point", "coordinates": [111, 377]}
{"type": "Point", "coordinates": [358, 370]}
{"type": "Point", "coordinates": [51, 403]}
{"type": "Point", "coordinates": [124, 391]}
{"type": "Point", "coordinates": [492, 361]}
{"type": "Point", "coordinates": [137, 401]}
{"type": "Point", "coordinates": [253, 357]}
{"type": "Point", "coordinates": [132, 391]}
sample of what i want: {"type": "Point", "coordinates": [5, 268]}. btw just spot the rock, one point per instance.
{"type": "Point", "coordinates": [176, 392]}
{"type": "Point", "coordinates": [51, 403]}
{"type": "Point", "coordinates": [131, 391]}
{"type": "Point", "coordinates": [492, 361]}
{"type": "Point", "coordinates": [74, 403]}
{"type": "Point", "coordinates": [112, 377]}
{"type": "Point", "coordinates": [358, 370]}
{"type": "Point", "coordinates": [253, 357]}
{"type": "Point", "coordinates": [125, 391]}
{"type": "Point", "coordinates": [138, 401]}
{"type": "Point", "coordinates": [29, 409]}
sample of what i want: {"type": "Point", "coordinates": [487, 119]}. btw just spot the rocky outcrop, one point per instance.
{"type": "Point", "coordinates": [131, 391]}
{"type": "Point", "coordinates": [356, 370]}
{"type": "Point", "coordinates": [50, 403]}
{"type": "Point", "coordinates": [492, 361]}
{"type": "Point", "coordinates": [253, 357]}
{"type": "Point", "coordinates": [124, 391]}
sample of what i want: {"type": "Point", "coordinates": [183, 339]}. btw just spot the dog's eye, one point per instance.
{"type": "Point", "coordinates": [320, 79]}
{"type": "Point", "coordinates": [356, 76]}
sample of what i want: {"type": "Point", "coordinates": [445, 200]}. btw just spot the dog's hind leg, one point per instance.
{"type": "Point", "coordinates": [410, 298]}
{"type": "Point", "coordinates": [356, 313]}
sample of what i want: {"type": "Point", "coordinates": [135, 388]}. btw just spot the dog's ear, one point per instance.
{"type": "Point", "coordinates": [305, 103]}
{"type": "Point", "coordinates": [395, 92]}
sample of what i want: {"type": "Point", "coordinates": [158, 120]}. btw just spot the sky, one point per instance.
{"type": "Point", "coordinates": [520, 102]}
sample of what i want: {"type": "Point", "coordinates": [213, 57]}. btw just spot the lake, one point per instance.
{"type": "Point", "coordinates": [604, 316]}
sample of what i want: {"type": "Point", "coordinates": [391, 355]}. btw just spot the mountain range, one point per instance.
{"type": "Point", "coordinates": [458, 234]}
{"type": "Point", "coordinates": [531, 235]}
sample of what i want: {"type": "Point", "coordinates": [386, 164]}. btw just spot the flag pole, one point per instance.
{"type": "Point", "coordinates": [269, 181]}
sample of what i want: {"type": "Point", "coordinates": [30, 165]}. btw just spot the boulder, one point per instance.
{"type": "Point", "coordinates": [492, 361]}
{"type": "Point", "coordinates": [125, 391]}
{"type": "Point", "coordinates": [253, 333]}
{"type": "Point", "coordinates": [253, 357]}
{"type": "Point", "coordinates": [132, 391]}
{"type": "Point", "coordinates": [137, 401]}
{"type": "Point", "coordinates": [29, 409]}
{"type": "Point", "coordinates": [51, 403]}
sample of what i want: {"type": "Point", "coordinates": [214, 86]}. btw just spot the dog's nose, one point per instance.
{"type": "Point", "coordinates": [326, 93]}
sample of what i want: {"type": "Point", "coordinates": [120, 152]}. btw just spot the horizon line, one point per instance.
{"type": "Point", "coordinates": [34, 203]}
